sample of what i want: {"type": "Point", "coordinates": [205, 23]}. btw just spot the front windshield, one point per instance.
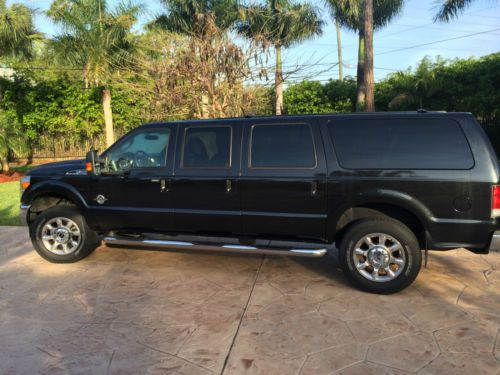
{"type": "Point", "coordinates": [142, 149]}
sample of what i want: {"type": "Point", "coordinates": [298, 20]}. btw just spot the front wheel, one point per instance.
{"type": "Point", "coordinates": [380, 255]}
{"type": "Point", "coordinates": [61, 235]}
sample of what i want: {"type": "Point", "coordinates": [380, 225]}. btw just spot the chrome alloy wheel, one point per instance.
{"type": "Point", "coordinates": [379, 257]}
{"type": "Point", "coordinates": [61, 236]}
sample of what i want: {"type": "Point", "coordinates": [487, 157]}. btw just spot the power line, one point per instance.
{"type": "Point", "coordinates": [437, 41]}
{"type": "Point", "coordinates": [37, 68]}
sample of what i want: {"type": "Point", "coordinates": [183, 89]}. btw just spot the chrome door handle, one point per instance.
{"type": "Point", "coordinates": [229, 186]}
{"type": "Point", "coordinates": [164, 185]}
{"type": "Point", "coordinates": [314, 188]}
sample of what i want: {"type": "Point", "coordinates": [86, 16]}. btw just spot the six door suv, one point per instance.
{"type": "Point", "coordinates": [382, 187]}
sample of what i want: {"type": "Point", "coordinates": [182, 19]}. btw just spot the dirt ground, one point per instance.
{"type": "Point", "coordinates": [13, 176]}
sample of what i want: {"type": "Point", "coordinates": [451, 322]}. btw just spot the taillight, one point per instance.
{"type": "Point", "coordinates": [495, 201]}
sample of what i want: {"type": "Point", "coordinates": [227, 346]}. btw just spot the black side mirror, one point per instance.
{"type": "Point", "coordinates": [92, 165]}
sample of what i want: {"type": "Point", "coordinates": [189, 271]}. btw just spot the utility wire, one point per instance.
{"type": "Point", "coordinates": [437, 41]}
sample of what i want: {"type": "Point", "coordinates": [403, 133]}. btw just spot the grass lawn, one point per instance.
{"type": "Point", "coordinates": [9, 203]}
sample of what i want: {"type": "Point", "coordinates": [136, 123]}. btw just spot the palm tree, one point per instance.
{"type": "Point", "coordinates": [351, 16]}
{"type": "Point", "coordinates": [368, 78]}
{"type": "Point", "coordinates": [97, 39]}
{"type": "Point", "coordinates": [17, 31]}
{"type": "Point", "coordinates": [190, 17]}
{"type": "Point", "coordinates": [196, 19]}
{"type": "Point", "coordinates": [12, 141]}
{"type": "Point", "coordinates": [339, 49]}
{"type": "Point", "coordinates": [280, 23]}
{"type": "Point", "coordinates": [449, 9]}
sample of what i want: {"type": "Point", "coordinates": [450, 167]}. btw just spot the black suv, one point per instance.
{"type": "Point", "coordinates": [381, 186]}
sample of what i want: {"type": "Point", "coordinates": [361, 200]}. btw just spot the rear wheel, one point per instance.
{"type": "Point", "coordinates": [380, 255]}
{"type": "Point", "coordinates": [61, 235]}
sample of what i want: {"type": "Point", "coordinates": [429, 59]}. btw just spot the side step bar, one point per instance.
{"type": "Point", "coordinates": [163, 244]}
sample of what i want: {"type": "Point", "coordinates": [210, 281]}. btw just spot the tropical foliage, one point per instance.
{"type": "Point", "coordinates": [17, 32]}
{"type": "Point", "coordinates": [12, 142]}
{"type": "Point", "coordinates": [96, 39]}
{"type": "Point", "coordinates": [350, 15]}
{"type": "Point", "coordinates": [190, 62]}
{"type": "Point", "coordinates": [280, 24]}
{"type": "Point", "coordinates": [449, 9]}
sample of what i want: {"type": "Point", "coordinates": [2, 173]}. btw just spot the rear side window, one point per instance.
{"type": "Point", "coordinates": [282, 146]}
{"type": "Point", "coordinates": [401, 144]}
{"type": "Point", "coordinates": [207, 147]}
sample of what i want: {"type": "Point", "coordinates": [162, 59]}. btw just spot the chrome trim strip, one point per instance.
{"type": "Point", "coordinates": [121, 241]}
{"type": "Point", "coordinates": [495, 242]}
{"type": "Point", "coordinates": [23, 213]}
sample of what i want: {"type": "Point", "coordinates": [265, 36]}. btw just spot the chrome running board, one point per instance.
{"type": "Point", "coordinates": [164, 244]}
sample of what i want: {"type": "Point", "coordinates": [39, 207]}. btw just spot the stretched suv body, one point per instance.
{"type": "Point", "coordinates": [380, 186]}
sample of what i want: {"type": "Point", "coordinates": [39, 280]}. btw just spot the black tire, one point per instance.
{"type": "Point", "coordinates": [409, 251]}
{"type": "Point", "coordinates": [88, 240]}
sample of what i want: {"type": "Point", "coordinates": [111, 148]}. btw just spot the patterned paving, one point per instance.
{"type": "Point", "coordinates": [148, 312]}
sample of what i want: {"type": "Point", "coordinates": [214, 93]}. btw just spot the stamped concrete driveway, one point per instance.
{"type": "Point", "coordinates": [149, 312]}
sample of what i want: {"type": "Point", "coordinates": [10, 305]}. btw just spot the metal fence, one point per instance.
{"type": "Point", "coordinates": [62, 146]}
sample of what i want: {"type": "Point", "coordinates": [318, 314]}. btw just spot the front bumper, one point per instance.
{"type": "Point", "coordinates": [23, 213]}
{"type": "Point", "coordinates": [495, 242]}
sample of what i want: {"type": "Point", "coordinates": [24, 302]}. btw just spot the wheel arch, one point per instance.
{"type": "Point", "coordinates": [45, 195]}
{"type": "Point", "coordinates": [380, 210]}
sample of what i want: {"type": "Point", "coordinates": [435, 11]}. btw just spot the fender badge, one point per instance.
{"type": "Point", "coordinates": [101, 199]}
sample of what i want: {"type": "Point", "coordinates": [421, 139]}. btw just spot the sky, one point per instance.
{"type": "Point", "coordinates": [400, 45]}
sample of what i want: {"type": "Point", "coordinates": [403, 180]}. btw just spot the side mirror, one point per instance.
{"type": "Point", "coordinates": [92, 165]}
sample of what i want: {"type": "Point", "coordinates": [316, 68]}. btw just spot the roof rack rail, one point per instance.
{"type": "Point", "coordinates": [423, 110]}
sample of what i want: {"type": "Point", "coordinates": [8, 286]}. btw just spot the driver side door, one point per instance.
{"type": "Point", "coordinates": [136, 182]}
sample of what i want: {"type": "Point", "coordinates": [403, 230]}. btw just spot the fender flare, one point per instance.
{"type": "Point", "coordinates": [58, 188]}
{"type": "Point", "coordinates": [388, 197]}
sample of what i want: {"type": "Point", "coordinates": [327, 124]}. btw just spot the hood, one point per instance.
{"type": "Point", "coordinates": [58, 168]}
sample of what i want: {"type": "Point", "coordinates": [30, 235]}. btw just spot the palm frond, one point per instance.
{"type": "Point", "coordinates": [449, 9]}
{"type": "Point", "coordinates": [94, 37]}
{"type": "Point", "coordinates": [190, 17]}
{"type": "Point", "coordinates": [350, 12]}
{"type": "Point", "coordinates": [17, 30]}
{"type": "Point", "coordinates": [282, 23]}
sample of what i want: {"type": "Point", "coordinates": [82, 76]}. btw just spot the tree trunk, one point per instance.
{"type": "Point", "coordinates": [108, 117]}
{"type": "Point", "coordinates": [205, 111]}
{"type": "Point", "coordinates": [368, 76]}
{"type": "Point", "coordinates": [5, 165]}
{"type": "Point", "coordinates": [278, 82]}
{"type": "Point", "coordinates": [339, 50]}
{"type": "Point", "coordinates": [360, 88]}
{"type": "Point", "coordinates": [85, 77]}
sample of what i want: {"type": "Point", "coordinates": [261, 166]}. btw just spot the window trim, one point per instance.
{"type": "Point", "coordinates": [331, 123]}
{"type": "Point", "coordinates": [250, 143]}
{"type": "Point", "coordinates": [184, 136]}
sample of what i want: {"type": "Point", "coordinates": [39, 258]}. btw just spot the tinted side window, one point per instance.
{"type": "Point", "coordinates": [282, 146]}
{"type": "Point", "coordinates": [207, 147]}
{"type": "Point", "coordinates": [142, 149]}
{"type": "Point", "coordinates": [401, 144]}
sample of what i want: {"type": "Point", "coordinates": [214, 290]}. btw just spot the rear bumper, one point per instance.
{"type": "Point", "coordinates": [495, 242]}
{"type": "Point", "coordinates": [23, 213]}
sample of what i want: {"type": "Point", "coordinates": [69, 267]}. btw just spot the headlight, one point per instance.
{"type": "Point", "coordinates": [25, 183]}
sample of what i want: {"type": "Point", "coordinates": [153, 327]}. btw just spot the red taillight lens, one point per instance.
{"type": "Point", "coordinates": [495, 200]}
